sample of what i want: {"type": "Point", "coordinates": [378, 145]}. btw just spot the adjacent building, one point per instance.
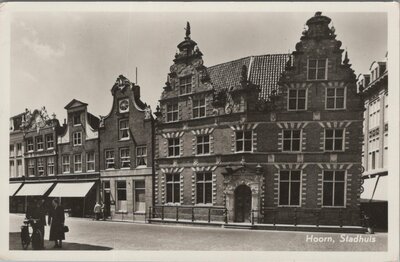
{"type": "Point", "coordinates": [126, 154]}
{"type": "Point", "coordinates": [374, 89]}
{"type": "Point", "coordinates": [269, 138]}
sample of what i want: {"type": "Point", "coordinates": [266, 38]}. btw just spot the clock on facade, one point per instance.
{"type": "Point", "coordinates": [123, 105]}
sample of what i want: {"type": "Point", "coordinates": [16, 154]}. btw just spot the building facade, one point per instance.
{"type": "Point", "coordinates": [272, 138]}
{"type": "Point", "coordinates": [126, 154]}
{"type": "Point", "coordinates": [374, 88]}
{"type": "Point", "coordinates": [78, 156]}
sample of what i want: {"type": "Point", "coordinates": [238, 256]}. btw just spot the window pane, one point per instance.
{"type": "Point", "coordinates": [206, 149]}
{"type": "Point", "coordinates": [176, 193]}
{"type": "Point", "coordinates": [239, 135]}
{"type": "Point", "coordinates": [330, 103]}
{"type": "Point", "coordinates": [328, 187]}
{"type": "Point", "coordinates": [296, 133]}
{"type": "Point", "coordinates": [301, 103]}
{"type": "Point", "coordinates": [239, 145]}
{"type": "Point", "coordinates": [328, 144]}
{"type": "Point", "coordinates": [339, 194]}
{"type": "Point", "coordinates": [328, 175]}
{"type": "Point", "coordinates": [296, 145]}
{"type": "Point", "coordinates": [286, 145]}
{"type": "Point", "coordinates": [206, 139]}
{"type": "Point", "coordinates": [208, 176]}
{"type": "Point", "coordinates": [321, 74]}
{"type": "Point", "coordinates": [287, 134]}
{"type": "Point", "coordinates": [338, 144]}
{"type": "Point", "coordinates": [284, 175]}
{"type": "Point", "coordinates": [339, 91]}
{"type": "Point", "coordinates": [247, 145]}
{"type": "Point", "coordinates": [311, 74]}
{"type": "Point", "coordinates": [292, 93]}
{"type": "Point", "coordinates": [339, 133]}
{"type": "Point", "coordinates": [284, 193]}
{"type": "Point", "coordinates": [329, 133]}
{"type": "Point", "coordinates": [208, 193]}
{"type": "Point", "coordinates": [292, 104]}
{"type": "Point", "coordinates": [169, 193]}
{"type": "Point", "coordinates": [330, 92]}
{"type": "Point", "coordinates": [199, 149]}
{"type": "Point", "coordinates": [295, 193]}
{"type": "Point", "coordinates": [199, 192]}
{"type": "Point", "coordinates": [295, 175]}
{"type": "Point", "coordinates": [302, 93]}
{"type": "Point", "coordinates": [312, 63]}
{"type": "Point", "coordinates": [247, 135]}
{"type": "Point", "coordinates": [340, 103]}
{"type": "Point", "coordinates": [339, 175]}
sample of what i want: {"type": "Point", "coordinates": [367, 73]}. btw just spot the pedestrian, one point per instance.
{"type": "Point", "coordinates": [56, 220]}
{"type": "Point", "coordinates": [97, 210]}
{"type": "Point", "coordinates": [39, 213]}
{"type": "Point", "coordinates": [102, 212]}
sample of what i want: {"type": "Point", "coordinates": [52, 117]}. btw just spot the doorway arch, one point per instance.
{"type": "Point", "coordinates": [242, 203]}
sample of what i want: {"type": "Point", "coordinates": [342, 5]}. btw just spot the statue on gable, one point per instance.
{"type": "Point", "coordinates": [43, 114]}
{"type": "Point", "coordinates": [122, 82]}
{"type": "Point", "coordinates": [147, 113]}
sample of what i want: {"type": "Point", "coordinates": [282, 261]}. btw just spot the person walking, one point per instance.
{"type": "Point", "coordinates": [39, 213]}
{"type": "Point", "coordinates": [97, 211]}
{"type": "Point", "coordinates": [56, 220]}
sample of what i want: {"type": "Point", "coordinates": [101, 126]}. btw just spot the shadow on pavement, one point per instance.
{"type": "Point", "coordinates": [15, 244]}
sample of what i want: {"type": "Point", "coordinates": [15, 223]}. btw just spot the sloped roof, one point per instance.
{"type": "Point", "coordinates": [263, 70]}
{"type": "Point", "coordinates": [75, 103]}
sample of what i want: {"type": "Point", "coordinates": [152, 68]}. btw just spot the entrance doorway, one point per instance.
{"type": "Point", "coordinates": [242, 203]}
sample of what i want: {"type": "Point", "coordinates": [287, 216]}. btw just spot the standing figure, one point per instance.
{"type": "Point", "coordinates": [39, 213]}
{"type": "Point", "coordinates": [97, 210]}
{"type": "Point", "coordinates": [56, 220]}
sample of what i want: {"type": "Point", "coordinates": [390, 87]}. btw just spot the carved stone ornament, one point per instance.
{"type": "Point", "coordinates": [147, 113]}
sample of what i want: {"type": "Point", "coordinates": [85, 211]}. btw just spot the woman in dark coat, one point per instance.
{"type": "Point", "coordinates": [56, 220]}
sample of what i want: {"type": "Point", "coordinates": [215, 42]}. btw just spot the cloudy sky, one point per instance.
{"type": "Point", "coordinates": [58, 56]}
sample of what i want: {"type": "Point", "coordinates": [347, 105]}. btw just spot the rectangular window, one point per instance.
{"type": "Point", "coordinates": [19, 149]}
{"type": "Point", "coordinates": [78, 163]}
{"type": "Point", "coordinates": [140, 196]}
{"type": "Point", "coordinates": [50, 165]}
{"type": "Point", "coordinates": [141, 156]}
{"type": "Point", "coordinates": [173, 188]}
{"type": "Point", "coordinates": [334, 139]}
{"type": "Point", "coordinates": [289, 187]}
{"type": "Point", "coordinates": [244, 141]}
{"type": "Point", "coordinates": [65, 164]}
{"type": "Point", "coordinates": [297, 99]}
{"type": "Point", "coordinates": [204, 188]}
{"type": "Point", "coordinates": [90, 161]}
{"type": "Point", "coordinates": [76, 119]}
{"type": "Point", "coordinates": [40, 166]}
{"type": "Point", "coordinates": [110, 164]}
{"type": "Point", "coordinates": [173, 147]}
{"type": "Point", "coordinates": [199, 108]}
{"type": "Point", "coordinates": [39, 143]}
{"type": "Point", "coordinates": [291, 140]}
{"type": "Point", "coordinates": [203, 144]}
{"type": "Point", "coordinates": [317, 69]}
{"type": "Point", "coordinates": [77, 136]}
{"type": "Point", "coordinates": [49, 142]}
{"type": "Point", "coordinates": [333, 188]}
{"type": "Point", "coordinates": [12, 154]}
{"type": "Point", "coordinates": [29, 144]}
{"type": "Point", "coordinates": [125, 158]}
{"type": "Point", "coordinates": [12, 168]}
{"type": "Point", "coordinates": [31, 167]}
{"type": "Point", "coordinates": [335, 98]}
{"type": "Point", "coordinates": [123, 129]}
{"type": "Point", "coordinates": [172, 113]}
{"type": "Point", "coordinates": [121, 195]}
{"type": "Point", "coordinates": [185, 85]}
{"type": "Point", "coordinates": [19, 168]}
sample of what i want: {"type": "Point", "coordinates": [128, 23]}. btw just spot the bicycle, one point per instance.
{"type": "Point", "coordinates": [35, 237]}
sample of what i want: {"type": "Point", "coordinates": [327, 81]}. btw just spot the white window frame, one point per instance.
{"type": "Point", "coordinates": [50, 166]}
{"type": "Point", "coordinates": [174, 146]}
{"type": "Point", "coordinates": [19, 167]}
{"type": "Point", "coordinates": [109, 159]}
{"type": "Point", "coordinates": [202, 144]}
{"type": "Point", "coordinates": [243, 140]}
{"type": "Point", "coordinates": [140, 156]}
{"type": "Point", "coordinates": [125, 159]}
{"type": "Point", "coordinates": [40, 166]}
{"type": "Point", "coordinates": [172, 110]}
{"type": "Point", "coordinates": [78, 164]}
{"type": "Point", "coordinates": [19, 149]}
{"type": "Point", "coordinates": [173, 182]}
{"type": "Point", "coordinates": [49, 141]}
{"type": "Point", "coordinates": [204, 193]}
{"type": "Point", "coordinates": [77, 138]}
{"type": "Point", "coordinates": [316, 69]}
{"type": "Point", "coordinates": [289, 188]}
{"type": "Point", "coordinates": [335, 97]}
{"type": "Point", "coordinates": [197, 108]}
{"type": "Point", "coordinates": [39, 143]}
{"type": "Point", "coordinates": [333, 190]}
{"type": "Point", "coordinates": [73, 119]}
{"type": "Point", "coordinates": [297, 99]}
{"type": "Point", "coordinates": [135, 191]}
{"type": "Point", "coordinates": [88, 161]}
{"type": "Point", "coordinates": [12, 150]}
{"type": "Point", "coordinates": [66, 165]}
{"type": "Point", "coordinates": [123, 130]}
{"type": "Point", "coordinates": [188, 84]}
{"type": "Point", "coordinates": [334, 138]}
{"type": "Point", "coordinates": [291, 140]}
{"type": "Point", "coordinates": [31, 167]}
{"type": "Point", "coordinates": [30, 143]}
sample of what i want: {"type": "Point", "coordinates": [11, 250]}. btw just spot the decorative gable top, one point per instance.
{"type": "Point", "coordinates": [75, 103]}
{"type": "Point", "coordinates": [263, 70]}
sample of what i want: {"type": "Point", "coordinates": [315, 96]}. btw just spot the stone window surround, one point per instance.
{"type": "Point", "coordinates": [344, 189]}
{"type": "Point", "coordinates": [244, 127]}
{"type": "Point", "coordinates": [334, 138]}
{"type": "Point", "coordinates": [297, 99]}
{"type": "Point", "coordinates": [289, 180]}
{"type": "Point", "coordinates": [332, 125]}
{"type": "Point", "coordinates": [169, 170]}
{"type": "Point", "coordinates": [291, 140]}
{"type": "Point", "coordinates": [334, 84]}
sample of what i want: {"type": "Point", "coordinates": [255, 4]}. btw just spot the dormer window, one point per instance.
{"type": "Point", "coordinates": [185, 85]}
{"type": "Point", "coordinates": [76, 119]}
{"type": "Point", "coordinates": [317, 69]}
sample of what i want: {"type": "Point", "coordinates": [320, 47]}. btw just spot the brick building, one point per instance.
{"type": "Point", "coordinates": [126, 154]}
{"type": "Point", "coordinates": [78, 160]}
{"type": "Point", "coordinates": [271, 138]}
{"type": "Point", "coordinates": [374, 88]}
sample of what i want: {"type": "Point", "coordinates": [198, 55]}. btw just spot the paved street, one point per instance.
{"type": "Point", "coordinates": [86, 234]}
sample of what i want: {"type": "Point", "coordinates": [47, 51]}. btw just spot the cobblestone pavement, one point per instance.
{"type": "Point", "coordinates": [86, 234]}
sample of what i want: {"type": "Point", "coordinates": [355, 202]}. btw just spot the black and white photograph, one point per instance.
{"type": "Point", "coordinates": [188, 131]}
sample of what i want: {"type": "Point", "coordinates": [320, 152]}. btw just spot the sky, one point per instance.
{"type": "Point", "coordinates": [56, 57]}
